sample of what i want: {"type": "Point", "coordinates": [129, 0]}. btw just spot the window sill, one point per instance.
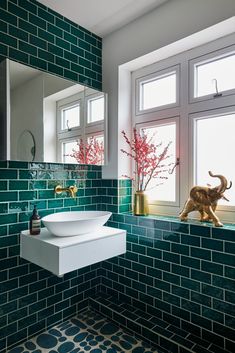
{"type": "Point", "coordinates": [176, 220]}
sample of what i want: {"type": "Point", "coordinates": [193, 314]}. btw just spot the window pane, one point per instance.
{"type": "Point", "coordinates": [67, 149]}
{"type": "Point", "coordinates": [157, 92]}
{"type": "Point", "coordinates": [221, 69]}
{"type": "Point", "coordinates": [71, 117]}
{"type": "Point", "coordinates": [96, 150]}
{"type": "Point", "coordinates": [163, 189]}
{"type": "Point", "coordinates": [215, 145]}
{"type": "Point", "coordinates": [95, 109]}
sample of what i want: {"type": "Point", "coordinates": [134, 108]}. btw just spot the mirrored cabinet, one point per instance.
{"type": "Point", "coordinates": [46, 118]}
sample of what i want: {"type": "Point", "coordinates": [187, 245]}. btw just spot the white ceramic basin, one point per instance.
{"type": "Point", "coordinates": [67, 224]}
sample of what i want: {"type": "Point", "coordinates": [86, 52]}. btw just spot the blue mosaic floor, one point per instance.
{"type": "Point", "coordinates": [87, 332]}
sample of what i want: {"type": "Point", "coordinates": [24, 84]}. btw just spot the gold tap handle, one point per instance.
{"type": "Point", "coordinates": [71, 189]}
{"type": "Point", "coordinates": [58, 189]}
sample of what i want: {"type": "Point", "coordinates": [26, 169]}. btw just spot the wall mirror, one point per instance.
{"type": "Point", "coordinates": [50, 119]}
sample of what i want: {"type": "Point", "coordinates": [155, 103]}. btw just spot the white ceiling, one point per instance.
{"type": "Point", "coordinates": [102, 16]}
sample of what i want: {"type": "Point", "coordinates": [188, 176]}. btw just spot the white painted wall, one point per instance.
{"type": "Point", "coordinates": [170, 22]}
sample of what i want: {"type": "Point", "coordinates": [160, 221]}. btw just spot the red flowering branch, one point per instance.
{"type": "Point", "coordinates": [91, 152]}
{"type": "Point", "coordinates": [150, 162]}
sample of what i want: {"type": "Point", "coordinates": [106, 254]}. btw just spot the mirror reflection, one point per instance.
{"type": "Point", "coordinates": [55, 120]}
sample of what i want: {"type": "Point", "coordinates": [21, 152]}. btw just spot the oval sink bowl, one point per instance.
{"type": "Point", "coordinates": [68, 224]}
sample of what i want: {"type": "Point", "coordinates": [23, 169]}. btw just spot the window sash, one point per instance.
{"type": "Point", "coordinates": [206, 59]}
{"type": "Point", "coordinates": [157, 75]}
{"type": "Point", "coordinates": [193, 118]}
{"type": "Point", "coordinates": [165, 122]}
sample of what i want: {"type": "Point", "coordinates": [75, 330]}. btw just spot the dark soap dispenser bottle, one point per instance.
{"type": "Point", "coordinates": [35, 222]}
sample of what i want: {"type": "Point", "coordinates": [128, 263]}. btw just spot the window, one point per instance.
{"type": "Point", "coordinates": [201, 133]}
{"type": "Point", "coordinates": [70, 117]}
{"type": "Point", "coordinates": [80, 128]}
{"type": "Point", "coordinates": [95, 109]}
{"type": "Point", "coordinates": [214, 146]}
{"type": "Point", "coordinates": [212, 75]}
{"type": "Point", "coordinates": [157, 90]}
{"type": "Point", "coordinates": [67, 151]}
{"type": "Point", "coordinates": [162, 134]}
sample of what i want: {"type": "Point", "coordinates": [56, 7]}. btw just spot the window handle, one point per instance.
{"type": "Point", "coordinates": [67, 123]}
{"type": "Point", "coordinates": [217, 94]}
{"type": "Point", "coordinates": [175, 165]}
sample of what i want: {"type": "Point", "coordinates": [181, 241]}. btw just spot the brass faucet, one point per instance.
{"type": "Point", "coordinates": [71, 189]}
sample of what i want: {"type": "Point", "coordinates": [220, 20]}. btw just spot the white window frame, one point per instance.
{"type": "Point", "coordinates": [193, 151]}
{"type": "Point", "coordinates": [89, 98]}
{"type": "Point", "coordinates": [204, 59]}
{"type": "Point", "coordinates": [164, 122]}
{"type": "Point", "coordinates": [85, 129]}
{"type": "Point", "coordinates": [155, 75]}
{"type": "Point", "coordinates": [75, 133]}
{"type": "Point", "coordinates": [186, 110]}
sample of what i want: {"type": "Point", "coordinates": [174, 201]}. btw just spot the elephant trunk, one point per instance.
{"type": "Point", "coordinates": [223, 182]}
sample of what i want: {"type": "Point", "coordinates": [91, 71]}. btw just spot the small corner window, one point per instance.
{"type": "Point", "coordinates": [213, 75]}
{"type": "Point", "coordinates": [158, 90]}
{"type": "Point", "coordinates": [95, 109]}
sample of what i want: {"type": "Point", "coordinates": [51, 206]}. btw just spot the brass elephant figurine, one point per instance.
{"type": "Point", "coordinates": [204, 199]}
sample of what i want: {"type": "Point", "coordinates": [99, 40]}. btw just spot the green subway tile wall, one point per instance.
{"type": "Point", "coordinates": [35, 35]}
{"type": "Point", "coordinates": [175, 274]}
{"type": "Point", "coordinates": [31, 298]}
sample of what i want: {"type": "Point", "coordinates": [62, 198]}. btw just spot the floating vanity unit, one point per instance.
{"type": "Point", "coordinates": [60, 255]}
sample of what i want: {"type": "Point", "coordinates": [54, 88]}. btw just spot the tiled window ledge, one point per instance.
{"type": "Point", "coordinates": [170, 223]}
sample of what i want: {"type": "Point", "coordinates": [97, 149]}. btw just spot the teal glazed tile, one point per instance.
{"type": "Point", "coordinates": [8, 17]}
{"type": "Point", "coordinates": [27, 195]}
{"type": "Point", "coordinates": [38, 63]}
{"type": "Point", "coordinates": [223, 258]}
{"type": "Point", "coordinates": [18, 165]}
{"type": "Point", "coordinates": [8, 174]}
{"type": "Point", "coordinates": [190, 262]}
{"type": "Point", "coordinates": [18, 11]}
{"type": "Point", "coordinates": [28, 6]}
{"type": "Point", "coordinates": [212, 267]}
{"type": "Point", "coordinates": [212, 291]}
{"type": "Point", "coordinates": [200, 230]}
{"type": "Point", "coordinates": [18, 185]}
{"type": "Point", "coordinates": [18, 207]}
{"type": "Point", "coordinates": [230, 272]}
{"type": "Point", "coordinates": [18, 33]}
{"type": "Point", "coordinates": [180, 249]}
{"type": "Point", "coordinates": [46, 15]}
{"type": "Point", "coordinates": [190, 240]}
{"type": "Point", "coordinates": [28, 27]}
{"type": "Point", "coordinates": [8, 196]}
{"type": "Point", "coordinates": [37, 21]}
{"type": "Point", "coordinates": [223, 234]}
{"type": "Point", "coordinates": [230, 247]}
{"type": "Point", "coordinates": [223, 283]}
{"type": "Point", "coordinates": [179, 227]}
{"type": "Point", "coordinates": [180, 270]}
{"type": "Point", "coordinates": [201, 276]}
{"type": "Point", "coordinates": [3, 50]}
{"type": "Point", "coordinates": [3, 207]}
{"type": "Point", "coordinates": [45, 55]}
{"type": "Point", "coordinates": [201, 253]}
{"type": "Point", "coordinates": [170, 236]}
{"type": "Point", "coordinates": [62, 24]}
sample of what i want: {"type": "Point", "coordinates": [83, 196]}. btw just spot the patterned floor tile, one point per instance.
{"type": "Point", "coordinates": [88, 332]}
